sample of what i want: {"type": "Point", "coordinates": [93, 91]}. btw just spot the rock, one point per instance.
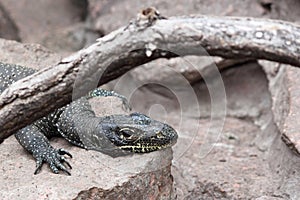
{"type": "Point", "coordinates": [30, 55]}
{"type": "Point", "coordinates": [291, 124]}
{"type": "Point", "coordinates": [70, 39]}
{"type": "Point", "coordinates": [94, 175]}
{"type": "Point", "coordinates": [166, 82]}
{"type": "Point", "coordinates": [285, 10]}
{"type": "Point", "coordinates": [234, 168]}
{"type": "Point", "coordinates": [110, 15]}
{"type": "Point", "coordinates": [8, 28]}
{"type": "Point", "coordinates": [49, 22]}
{"type": "Point", "coordinates": [276, 74]}
{"type": "Point", "coordinates": [284, 152]}
{"type": "Point", "coordinates": [150, 185]}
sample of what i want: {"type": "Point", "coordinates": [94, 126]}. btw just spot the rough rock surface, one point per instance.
{"type": "Point", "coordinates": [8, 28]}
{"type": "Point", "coordinates": [93, 174]}
{"type": "Point", "coordinates": [291, 127]}
{"type": "Point", "coordinates": [54, 24]}
{"type": "Point", "coordinates": [284, 87]}
{"type": "Point", "coordinates": [233, 169]}
{"type": "Point", "coordinates": [236, 168]}
{"type": "Point", "coordinates": [31, 55]}
{"type": "Point", "coordinates": [110, 15]}
{"type": "Point", "coordinates": [149, 174]}
{"type": "Point", "coordinates": [34, 23]}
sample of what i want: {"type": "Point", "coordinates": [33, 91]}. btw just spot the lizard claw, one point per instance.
{"type": "Point", "coordinates": [64, 152]}
{"type": "Point", "coordinates": [54, 157]}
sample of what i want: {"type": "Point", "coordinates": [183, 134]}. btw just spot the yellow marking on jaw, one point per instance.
{"type": "Point", "coordinates": [143, 149]}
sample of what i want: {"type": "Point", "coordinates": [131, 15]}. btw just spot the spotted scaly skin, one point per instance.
{"type": "Point", "coordinates": [114, 135]}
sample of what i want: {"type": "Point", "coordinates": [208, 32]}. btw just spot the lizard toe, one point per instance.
{"type": "Point", "coordinates": [55, 158]}
{"type": "Point", "coordinates": [39, 164]}
{"type": "Point", "coordinates": [64, 152]}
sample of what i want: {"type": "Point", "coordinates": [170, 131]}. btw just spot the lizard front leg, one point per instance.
{"type": "Point", "coordinates": [99, 92]}
{"type": "Point", "coordinates": [39, 146]}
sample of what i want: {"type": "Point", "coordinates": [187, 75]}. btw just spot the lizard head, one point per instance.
{"type": "Point", "coordinates": [138, 133]}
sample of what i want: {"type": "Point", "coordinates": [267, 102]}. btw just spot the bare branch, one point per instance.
{"type": "Point", "coordinates": [138, 43]}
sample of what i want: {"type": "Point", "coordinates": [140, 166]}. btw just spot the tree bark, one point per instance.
{"type": "Point", "coordinates": [143, 40]}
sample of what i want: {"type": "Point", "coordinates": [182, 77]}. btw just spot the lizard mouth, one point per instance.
{"type": "Point", "coordinates": [139, 136]}
{"type": "Point", "coordinates": [162, 139]}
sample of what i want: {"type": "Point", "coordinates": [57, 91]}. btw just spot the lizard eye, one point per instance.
{"type": "Point", "coordinates": [128, 134]}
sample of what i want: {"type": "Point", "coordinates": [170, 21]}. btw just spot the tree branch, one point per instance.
{"type": "Point", "coordinates": [143, 40]}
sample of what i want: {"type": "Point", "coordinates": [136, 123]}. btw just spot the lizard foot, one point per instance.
{"type": "Point", "coordinates": [54, 157]}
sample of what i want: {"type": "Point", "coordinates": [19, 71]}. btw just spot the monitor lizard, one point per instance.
{"type": "Point", "coordinates": [114, 135]}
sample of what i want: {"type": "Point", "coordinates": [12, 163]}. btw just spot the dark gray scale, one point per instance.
{"type": "Point", "coordinates": [72, 122]}
{"type": "Point", "coordinates": [34, 138]}
{"type": "Point", "coordinates": [47, 124]}
{"type": "Point", "coordinates": [11, 73]}
{"type": "Point", "coordinates": [76, 121]}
